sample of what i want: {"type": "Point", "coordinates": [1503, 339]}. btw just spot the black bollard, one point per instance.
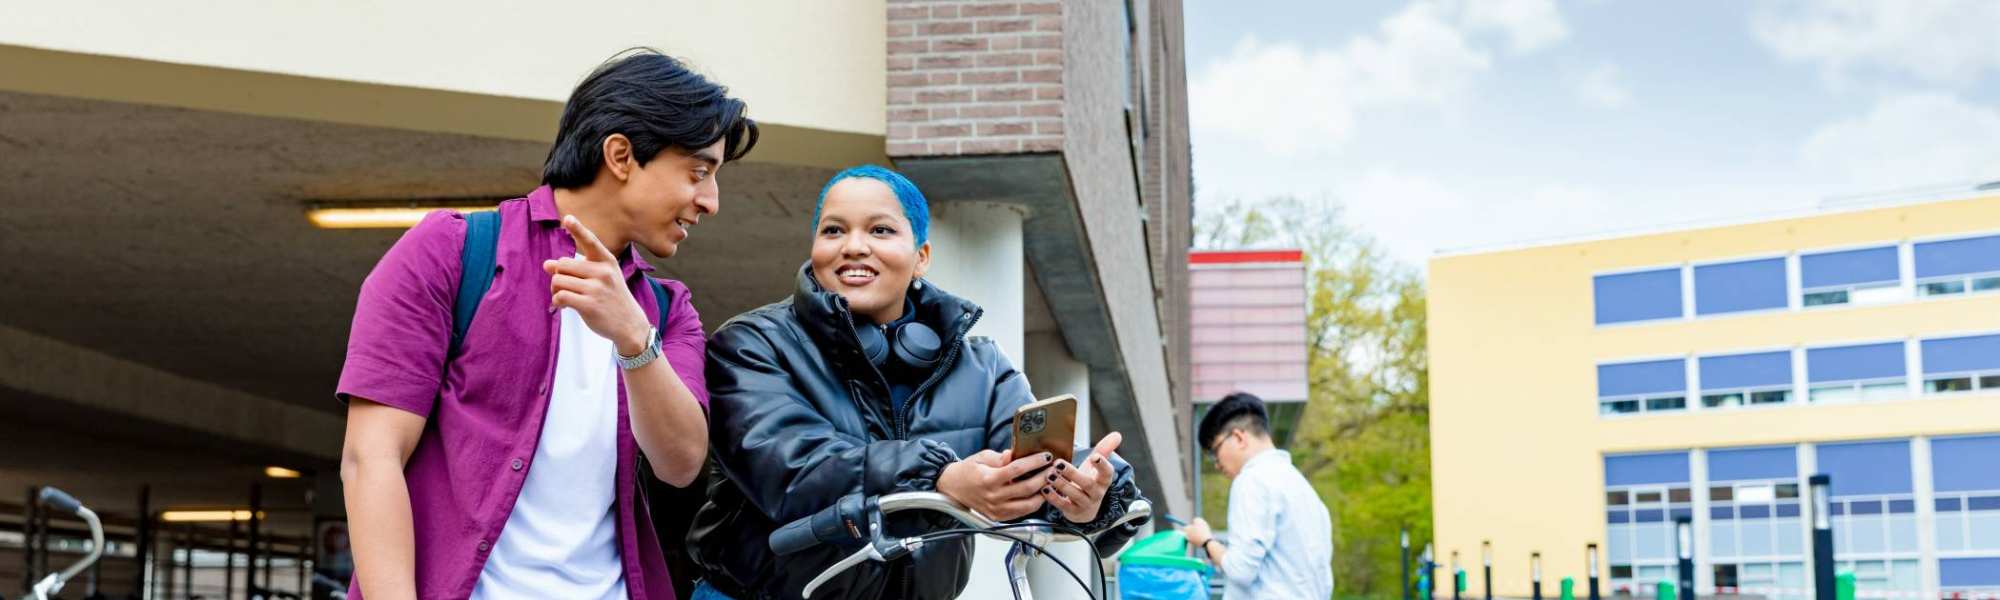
{"type": "Point", "coordinates": [1821, 487]}
{"type": "Point", "coordinates": [1591, 551]}
{"type": "Point", "coordinates": [1486, 558]}
{"type": "Point", "coordinates": [1684, 550]}
{"type": "Point", "coordinates": [1535, 574]}
{"type": "Point", "coordinates": [1404, 541]}
{"type": "Point", "coordinates": [1430, 573]}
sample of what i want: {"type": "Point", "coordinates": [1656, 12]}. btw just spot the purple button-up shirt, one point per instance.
{"type": "Point", "coordinates": [485, 407]}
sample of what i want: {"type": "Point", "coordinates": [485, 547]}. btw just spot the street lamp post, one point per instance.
{"type": "Point", "coordinates": [1821, 488]}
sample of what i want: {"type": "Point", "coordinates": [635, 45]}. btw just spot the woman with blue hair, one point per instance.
{"type": "Point", "coordinates": [864, 383]}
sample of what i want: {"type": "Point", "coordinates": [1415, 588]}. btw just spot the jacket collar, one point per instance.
{"type": "Point", "coordinates": [825, 316]}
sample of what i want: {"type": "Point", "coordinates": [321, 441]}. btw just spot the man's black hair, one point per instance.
{"type": "Point", "coordinates": [1241, 410]}
{"type": "Point", "coordinates": [654, 100]}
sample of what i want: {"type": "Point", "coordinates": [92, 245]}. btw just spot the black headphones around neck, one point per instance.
{"type": "Point", "coordinates": [912, 344]}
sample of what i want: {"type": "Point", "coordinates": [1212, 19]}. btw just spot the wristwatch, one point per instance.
{"type": "Point", "coordinates": [646, 356]}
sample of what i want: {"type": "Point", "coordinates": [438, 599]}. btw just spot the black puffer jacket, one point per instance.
{"type": "Point", "coordinates": [799, 419]}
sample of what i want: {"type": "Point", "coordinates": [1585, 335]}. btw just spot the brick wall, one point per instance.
{"type": "Point", "coordinates": [975, 77]}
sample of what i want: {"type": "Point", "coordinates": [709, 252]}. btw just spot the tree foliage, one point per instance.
{"type": "Point", "coordinates": [1364, 438]}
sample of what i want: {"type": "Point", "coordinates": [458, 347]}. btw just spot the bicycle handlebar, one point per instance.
{"type": "Point", "coordinates": [845, 519]}
{"type": "Point", "coordinates": [59, 500]}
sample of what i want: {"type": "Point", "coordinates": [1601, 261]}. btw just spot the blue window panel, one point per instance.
{"type": "Point", "coordinates": [1639, 296]}
{"type": "Point", "coordinates": [1947, 505]}
{"type": "Point", "coordinates": [1848, 363]}
{"type": "Point", "coordinates": [1721, 513]}
{"type": "Point", "coordinates": [1958, 257]}
{"type": "Point", "coordinates": [1867, 468]}
{"type": "Point", "coordinates": [1902, 506]}
{"type": "Point", "coordinates": [1966, 464]}
{"type": "Point", "coordinates": [1849, 267]}
{"type": "Point", "coordinates": [1746, 370]}
{"type": "Point", "coordinates": [1865, 507]}
{"type": "Point", "coordinates": [1969, 572]}
{"type": "Point", "coordinates": [1788, 510]}
{"type": "Point", "coordinates": [1651, 377]}
{"type": "Point", "coordinates": [1646, 469]}
{"type": "Point", "coordinates": [1755, 511]}
{"type": "Point", "coordinates": [1677, 513]}
{"type": "Point", "coordinates": [1983, 503]}
{"type": "Point", "coordinates": [1753, 463]}
{"type": "Point", "coordinates": [1836, 509]}
{"type": "Point", "coordinates": [1651, 515]}
{"type": "Point", "coordinates": [1618, 516]}
{"type": "Point", "coordinates": [1958, 354]}
{"type": "Point", "coordinates": [1739, 286]}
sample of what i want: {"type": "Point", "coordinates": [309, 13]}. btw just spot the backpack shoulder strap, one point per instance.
{"type": "Point", "coordinates": [482, 240]}
{"type": "Point", "coordinates": [665, 300]}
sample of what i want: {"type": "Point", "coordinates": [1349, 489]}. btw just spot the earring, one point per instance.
{"type": "Point", "coordinates": [919, 284]}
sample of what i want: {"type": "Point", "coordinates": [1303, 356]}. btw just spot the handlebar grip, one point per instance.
{"type": "Point", "coordinates": [793, 537]}
{"type": "Point", "coordinates": [843, 524]}
{"type": "Point", "coordinates": [57, 499]}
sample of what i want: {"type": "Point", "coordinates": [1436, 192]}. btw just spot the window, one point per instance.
{"type": "Point", "coordinates": [1850, 276]}
{"type": "Point", "coordinates": [1639, 541]}
{"type": "Point", "coordinates": [1961, 364]}
{"type": "Point", "coordinates": [1746, 379]}
{"type": "Point", "coordinates": [1652, 386]}
{"type": "Point", "coordinates": [1967, 490]}
{"type": "Point", "coordinates": [1739, 286]}
{"type": "Point", "coordinates": [1642, 296]}
{"type": "Point", "coordinates": [1856, 373]}
{"type": "Point", "coordinates": [1874, 514]}
{"type": "Point", "coordinates": [1957, 266]}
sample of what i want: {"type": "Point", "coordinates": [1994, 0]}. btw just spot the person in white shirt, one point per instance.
{"type": "Point", "coordinates": [1280, 534]}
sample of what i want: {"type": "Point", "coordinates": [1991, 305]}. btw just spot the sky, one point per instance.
{"type": "Point", "coordinates": [1447, 125]}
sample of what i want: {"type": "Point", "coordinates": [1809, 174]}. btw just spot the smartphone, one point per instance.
{"type": "Point", "coordinates": [1046, 426]}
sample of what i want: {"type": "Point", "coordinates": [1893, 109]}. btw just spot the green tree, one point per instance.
{"type": "Point", "coordinates": [1364, 437]}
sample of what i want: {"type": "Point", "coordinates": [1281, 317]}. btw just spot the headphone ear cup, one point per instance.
{"type": "Point", "coordinates": [918, 346]}
{"type": "Point", "coordinates": [873, 347]}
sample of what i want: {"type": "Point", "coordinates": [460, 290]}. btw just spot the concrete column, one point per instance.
{"type": "Point", "coordinates": [1054, 372]}
{"type": "Point", "coordinates": [976, 254]}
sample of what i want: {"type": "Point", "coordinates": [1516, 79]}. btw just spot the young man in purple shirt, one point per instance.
{"type": "Point", "coordinates": [504, 466]}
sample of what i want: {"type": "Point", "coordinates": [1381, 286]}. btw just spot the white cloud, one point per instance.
{"type": "Point", "coordinates": [1528, 24]}
{"type": "Point", "coordinates": [1905, 141]}
{"type": "Point", "coordinates": [1286, 96]}
{"type": "Point", "coordinates": [1601, 87]}
{"type": "Point", "coordinates": [1941, 41]}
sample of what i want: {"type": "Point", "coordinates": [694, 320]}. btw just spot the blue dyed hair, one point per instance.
{"type": "Point", "coordinates": [915, 207]}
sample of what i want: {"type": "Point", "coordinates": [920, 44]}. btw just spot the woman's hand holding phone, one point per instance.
{"type": "Point", "coordinates": [1078, 490]}
{"type": "Point", "coordinates": [992, 483]}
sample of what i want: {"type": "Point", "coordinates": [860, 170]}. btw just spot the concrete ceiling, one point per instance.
{"type": "Point", "coordinates": [177, 239]}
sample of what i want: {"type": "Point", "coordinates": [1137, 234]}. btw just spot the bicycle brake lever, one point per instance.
{"type": "Point", "coordinates": [878, 551]}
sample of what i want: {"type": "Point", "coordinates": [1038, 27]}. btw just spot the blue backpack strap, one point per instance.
{"type": "Point", "coordinates": [665, 301]}
{"type": "Point", "coordinates": [482, 240]}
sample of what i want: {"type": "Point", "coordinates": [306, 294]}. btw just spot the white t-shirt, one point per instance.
{"type": "Point", "coordinates": [561, 541]}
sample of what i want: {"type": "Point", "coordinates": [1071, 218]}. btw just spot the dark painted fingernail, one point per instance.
{"type": "Point", "coordinates": [1047, 491]}
{"type": "Point", "coordinates": [1059, 466]}
{"type": "Point", "coordinates": [1048, 457]}
{"type": "Point", "coordinates": [1052, 477]}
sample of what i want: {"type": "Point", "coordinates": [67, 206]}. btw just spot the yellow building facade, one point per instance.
{"type": "Point", "coordinates": [1590, 392]}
